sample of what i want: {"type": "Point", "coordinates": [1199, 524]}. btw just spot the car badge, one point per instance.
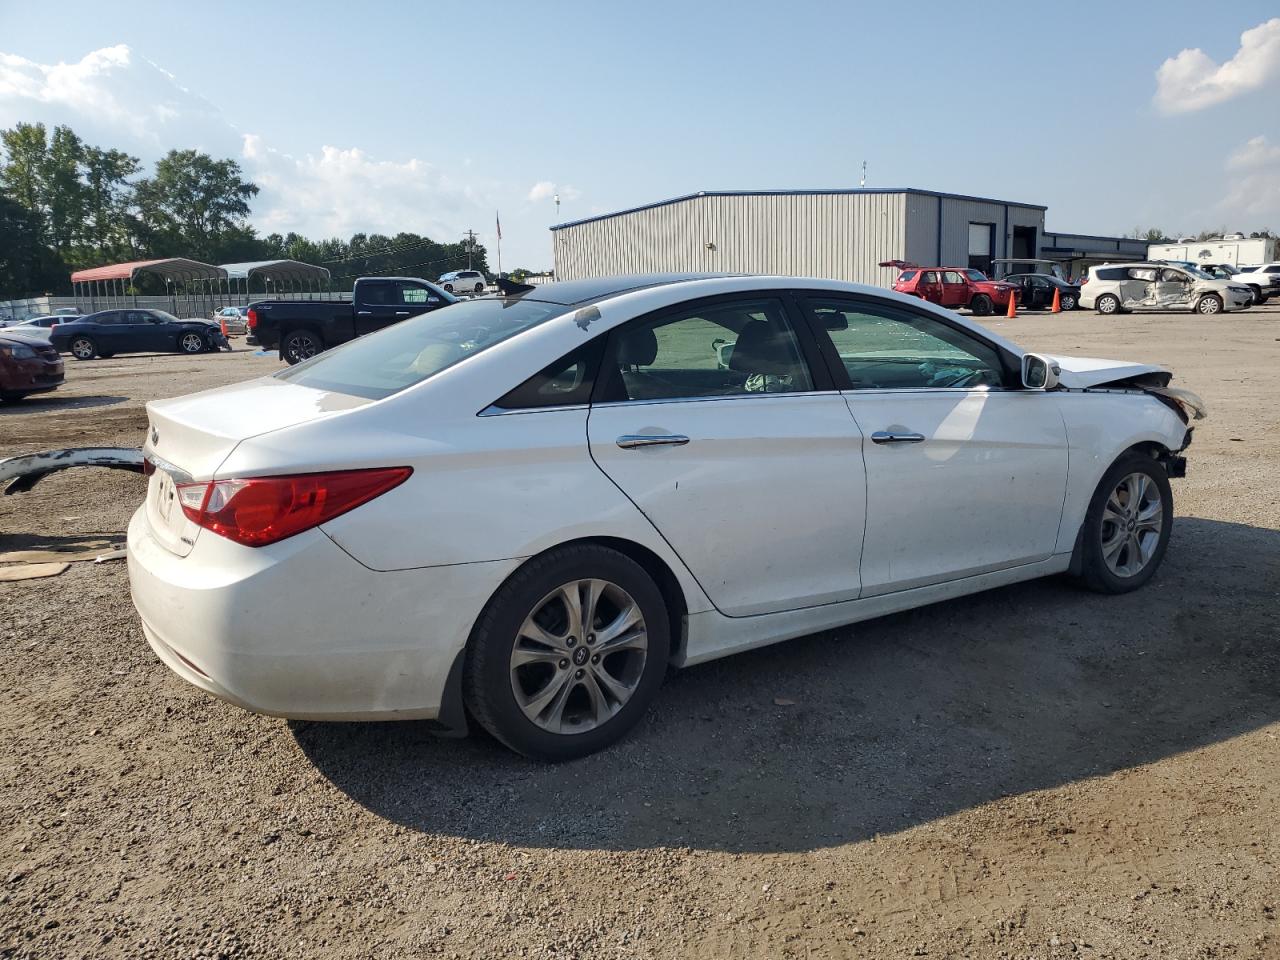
{"type": "Point", "coordinates": [155, 436]}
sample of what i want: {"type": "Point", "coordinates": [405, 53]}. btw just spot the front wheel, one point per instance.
{"type": "Point", "coordinates": [82, 348]}
{"type": "Point", "coordinates": [1068, 301]}
{"type": "Point", "coordinates": [299, 345]}
{"type": "Point", "coordinates": [192, 342]}
{"type": "Point", "coordinates": [1126, 529]}
{"type": "Point", "coordinates": [448, 288]}
{"type": "Point", "coordinates": [1209, 304]}
{"type": "Point", "coordinates": [1107, 304]}
{"type": "Point", "coordinates": [1258, 297]}
{"type": "Point", "coordinates": [981, 305]}
{"type": "Point", "coordinates": [568, 653]}
{"type": "Point", "coordinates": [479, 289]}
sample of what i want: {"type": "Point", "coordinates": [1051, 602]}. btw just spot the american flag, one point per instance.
{"type": "Point", "coordinates": [498, 221]}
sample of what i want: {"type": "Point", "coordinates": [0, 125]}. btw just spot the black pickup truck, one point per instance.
{"type": "Point", "coordinates": [302, 328]}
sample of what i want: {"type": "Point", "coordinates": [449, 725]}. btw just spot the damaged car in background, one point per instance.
{"type": "Point", "coordinates": [521, 510]}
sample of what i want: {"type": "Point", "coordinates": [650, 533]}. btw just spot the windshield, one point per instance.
{"type": "Point", "coordinates": [387, 362]}
{"type": "Point", "coordinates": [165, 316]}
{"type": "Point", "coordinates": [977, 276]}
{"type": "Point", "coordinates": [1197, 272]}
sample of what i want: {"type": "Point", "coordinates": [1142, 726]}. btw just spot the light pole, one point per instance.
{"type": "Point", "coordinates": [557, 208]}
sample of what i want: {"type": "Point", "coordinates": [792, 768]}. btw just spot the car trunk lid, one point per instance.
{"type": "Point", "coordinates": [189, 437]}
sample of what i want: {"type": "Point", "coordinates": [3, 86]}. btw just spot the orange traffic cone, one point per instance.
{"type": "Point", "coordinates": [223, 323]}
{"type": "Point", "coordinates": [1013, 306]}
{"type": "Point", "coordinates": [1057, 302]}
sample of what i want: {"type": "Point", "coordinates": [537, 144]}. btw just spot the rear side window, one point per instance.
{"type": "Point", "coordinates": [950, 276]}
{"type": "Point", "coordinates": [907, 275]}
{"type": "Point", "coordinates": [1108, 273]}
{"type": "Point", "coordinates": [567, 382]}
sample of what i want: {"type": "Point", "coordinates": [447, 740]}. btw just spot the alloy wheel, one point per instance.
{"type": "Point", "coordinates": [1209, 305]}
{"type": "Point", "coordinates": [579, 656]}
{"type": "Point", "coordinates": [81, 349]}
{"type": "Point", "coordinates": [1067, 303]}
{"type": "Point", "coordinates": [1132, 519]}
{"type": "Point", "coordinates": [192, 343]}
{"type": "Point", "coordinates": [302, 347]}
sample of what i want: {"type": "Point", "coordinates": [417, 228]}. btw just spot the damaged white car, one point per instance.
{"type": "Point", "coordinates": [530, 505]}
{"type": "Point", "coordinates": [1121, 287]}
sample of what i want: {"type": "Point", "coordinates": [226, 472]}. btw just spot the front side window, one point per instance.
{"type": "Point", "coordinates": [882, 347]}
{"type": "Point", "coordinates": [386, 362]}
{"type": "Point", "coordinates": [717, 350]}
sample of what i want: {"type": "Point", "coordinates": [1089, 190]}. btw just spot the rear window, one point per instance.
{"type": "Point", "coordinates": [390, 360]}
{"type": "Point", "coordinates": [906, 275]}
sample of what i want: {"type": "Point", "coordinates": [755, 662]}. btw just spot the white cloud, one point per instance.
{"type": "Point", "coordinates": [546, 189]}
{"type": "Point", "coordinates": [1192, 80]}
{"type": "Point", "coordinates": [1254, 197]}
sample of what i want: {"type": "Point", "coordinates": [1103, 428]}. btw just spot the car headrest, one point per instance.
{"type": "Point", "coordinates": [638, 347]}
{"type": "Point", "coordinates": [762, 349]}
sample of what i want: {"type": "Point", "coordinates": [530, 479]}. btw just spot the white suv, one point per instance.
{"type": "Point", "coordinates": [463, 281]}
{"type": "Point", "coordinates": [1120, 287]}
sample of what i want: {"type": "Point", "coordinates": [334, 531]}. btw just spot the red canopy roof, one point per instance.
{"type": "Point", "coordinates": [175, 268]}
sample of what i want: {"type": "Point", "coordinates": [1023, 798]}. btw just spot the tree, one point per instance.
{"type": "Point", "coordinates": [27, 267]}
{"type": "Point", "coordinates": [1264, 234]}
{"type": "Point", "coordinates": [1150, 234]}
{"type": "Point", "coordinates": [64, 193]}
{"type": "Point", "coordinates": [26, 147]}
{"type": "Point", "coordinates": [108, 229]}
{"type": "Point", "coordinates": [191, 203]}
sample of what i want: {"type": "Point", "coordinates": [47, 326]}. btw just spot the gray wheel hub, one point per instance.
{"type": "Point", "coordinates": [578, 657]}
{"type": "Point", "coordinates": [1132, 522]}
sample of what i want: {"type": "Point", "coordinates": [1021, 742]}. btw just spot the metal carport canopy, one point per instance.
{"type": "Point", "coordinates": [174, 269]}
{"type": "Point", "coordinates": [275, 270]}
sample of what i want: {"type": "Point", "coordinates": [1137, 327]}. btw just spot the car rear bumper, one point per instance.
{"type": "Point", "coordinates": [300, 629]}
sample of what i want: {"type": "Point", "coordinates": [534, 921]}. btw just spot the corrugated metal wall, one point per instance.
{"type": "Point", "coordinates": [834, 235]}
{"type": "Point", "coordinates": [923, 236]}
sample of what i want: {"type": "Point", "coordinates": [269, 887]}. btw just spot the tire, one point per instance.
{"type": "Point", "coordinates": [191, 342]}
{"type": "Point", "coordinates": [1258, 298]}
{"type": "Point", "coordinates": [1209, 305]}
{"type": "Point", "coordinates": [981, 305]}
{"type": "Point", "coordinates": [1068, 302]}
{"type": "Point", "coordinates": [1144, 533]}
{"type": "Point", "coordinates": [448, 288]}
{"type": "Point", "coordinates": [299, 345]}
{"type": "Point", "coordinates": [82, 348]}
{"type": "Point", "coordinates": [559, 670]}
{"type": "Point", "coordinates": [479, 289]}
{"type": "Point", "coordinates": [1107, 304]}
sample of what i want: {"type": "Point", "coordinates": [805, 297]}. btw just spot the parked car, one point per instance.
{"type": "Point", "coordinates": [135, 330]}
{"type": "Point", "coordinates": [956, 287]}
{"type": "Point", "coordinates": [27, 366]}
{"type": "Point", "coordinates": [463, 281]}
{"type": "Point", "coordinates": [234, 320]}
{"type": "Point", "coordinates": [1264, 281]}
{"type": "Point", "coordinates": [67, 312]}
{"type": "Point", "coordinates": [45, 320]}
{"type": "Point", "coordinates": [532, 503]}
{"type": "Point", "coordinates": [1121, 287]}
{"type": "Point", "coordinates": [1035, 291]}
{"type": "Point", "coordinates": [302, 328]}
{"type": "Point", "coordinates": [1004, 266]}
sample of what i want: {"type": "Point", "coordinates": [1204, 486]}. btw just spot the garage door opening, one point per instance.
{"type": "Point", "coordinates": [982, 246]}
{"type": "Point", "coordinates": [1024, 242]}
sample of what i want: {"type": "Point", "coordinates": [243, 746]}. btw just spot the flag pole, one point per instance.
{"type": "Point", "coordinates": [497, 220]}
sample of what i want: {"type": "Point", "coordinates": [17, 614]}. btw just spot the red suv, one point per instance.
{"type": "Point", "coordinates": [955, 287]}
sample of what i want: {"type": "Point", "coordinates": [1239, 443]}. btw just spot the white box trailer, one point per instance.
{"type": "Point", "coordinates": [1237, 251]}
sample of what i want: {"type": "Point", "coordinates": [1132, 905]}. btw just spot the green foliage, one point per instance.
{"type": "Point", "coordinates": [71, 204]}
{"type": "Point", "coordinates": [1150, 234]}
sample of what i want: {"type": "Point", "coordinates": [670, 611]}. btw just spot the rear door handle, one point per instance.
{"type": "Point", "coordinates": [402, 313]}
{"type": "Point", "coordinates": [630, 441]}
{"type": "Point", "coordinates": [884, 436]}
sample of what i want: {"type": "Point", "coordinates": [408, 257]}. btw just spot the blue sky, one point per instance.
{"type": "Point", "coordinates": [385, 116]}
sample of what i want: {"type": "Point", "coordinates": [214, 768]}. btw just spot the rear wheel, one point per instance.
{"type": "Point", "coordinates": [981, 305]}
{"type": "Point", "coordinates": [568, 653]}
{"type": "Point", "coordinates": [1209, 304]}
{"type": "Point", "coordinates": [1127, 526]}
{"type": "Point", "coordinates": [1108, 304]}
{"type": "Point", "coordinates": [479, 288]}
{"type": "Point", "coordinates": [82, 348]}
{"type": "Point", "coordinates": [192, 342]}
{"type": "Point", "coordinates": [1068, 301]}
{"type": "Point", "coordinates": [299, 345]}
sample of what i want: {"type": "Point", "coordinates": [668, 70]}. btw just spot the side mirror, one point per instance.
{"type": "Point", "coordinates": [1039, 372]}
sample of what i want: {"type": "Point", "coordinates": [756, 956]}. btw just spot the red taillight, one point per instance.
{"type": "Point", "coordinates": [251, 321]}
{"type": "Point", "coordinates": [259, 510]}
{"type": "Point", "coordinates": [1084, 280]}
{"type": "Point", "coordinates": [148, 468]}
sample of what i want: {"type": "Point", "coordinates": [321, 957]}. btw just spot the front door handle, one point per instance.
{"type": "Point", "coordinates": [885, 436]}
{"type": "Point", "coordinates": [402, 313]}
{"type": "Point", "coordinates": [630, 441]}
{"type": "Point", "coordinates": [364, 313]}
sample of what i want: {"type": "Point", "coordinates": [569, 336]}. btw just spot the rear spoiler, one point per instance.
{"type": "Point", "coordinates": [900, 264]}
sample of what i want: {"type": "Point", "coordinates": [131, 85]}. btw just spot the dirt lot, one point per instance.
{"type": "Point", "coordinates": [1034, 772]}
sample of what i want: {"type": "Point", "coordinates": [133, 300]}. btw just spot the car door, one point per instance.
{"type": "Point", "coordinates": [378, 305]}
{"type": "Point", "coordinates": [1172, 289]}
{"type": "Point", "coordinates": [713, 418]}
{"type": "Point", "coordinates": [965, 473]}
{"type": "Point", "coordinates": [930, 287]}
{"type": "Point", "coordinates": [955, 292]}
{"type": "Point", "coordinates": [1138, 287]}
{"type": "Point", "coordinates": [109, 331]}
{"type": "Point", "coordinates": [415, 298]}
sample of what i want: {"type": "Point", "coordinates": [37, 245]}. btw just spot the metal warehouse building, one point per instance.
{"type": "Point", "coordinates": [840, 234]}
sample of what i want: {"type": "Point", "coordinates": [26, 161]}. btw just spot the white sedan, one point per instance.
{"type": "Point", "coordinates": [532, 504]}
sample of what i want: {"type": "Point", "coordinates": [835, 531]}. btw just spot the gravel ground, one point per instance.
{"type": "Point", "coordinates": [1033, 772]}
